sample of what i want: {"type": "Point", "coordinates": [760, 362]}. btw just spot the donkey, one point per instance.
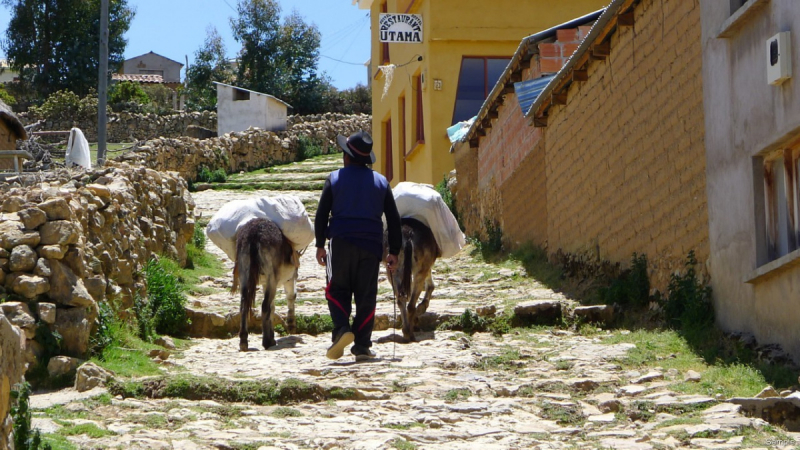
{"type": "Point", "coordinates": [413, 273]}
{"type": "Point", "coordinates": [263, 254]}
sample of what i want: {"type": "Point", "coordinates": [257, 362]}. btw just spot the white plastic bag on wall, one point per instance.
{"type": "Point", "coordinates": [287, 211]}
{"type": "Point", "coordinates": [78, 150]}
{"type": "Point", "coordinates": [422, 202]}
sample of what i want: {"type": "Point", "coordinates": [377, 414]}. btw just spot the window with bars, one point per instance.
{"type": "Point", "coordinates": [781, 206]}
{"type": "Point", "coordinates": [477, 77]}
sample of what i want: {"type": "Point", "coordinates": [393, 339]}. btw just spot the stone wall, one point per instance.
{"type": "Point", "coordinates": [246, 150]}
{"type": "Point", "coordinates": [12, 368]}
{"type": "Point", "coordinates": [74, 239]}
{"type": "Point", "coordinates": [128, 127]}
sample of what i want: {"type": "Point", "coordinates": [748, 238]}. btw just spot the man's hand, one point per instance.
{"type": "Point", "coordinates": [391, 263]}
{"type": "Point", "coordinates": [322, 256]}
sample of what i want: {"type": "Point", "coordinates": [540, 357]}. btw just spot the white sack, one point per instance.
{"type": "Point", "coordinates": [422, 202]}
{"type": "Point", "coordinates": [78, 149]}
{"type": "Point", "coordinates": [286, 211]}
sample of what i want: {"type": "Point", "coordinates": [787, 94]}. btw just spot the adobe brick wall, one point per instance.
{"type": "Point", "coordinates": [625, 157]}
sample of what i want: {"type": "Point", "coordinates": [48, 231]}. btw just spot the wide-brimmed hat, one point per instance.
{"type": "Point", "coordinates": [358, 146]}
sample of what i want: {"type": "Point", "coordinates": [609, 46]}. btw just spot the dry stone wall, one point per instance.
{"type": "Point", "coordinates": [74, 239]}
{"type": "Point", "coordinates": [246, 150]}
{"type": "Point", "coordinates": [128, 127]}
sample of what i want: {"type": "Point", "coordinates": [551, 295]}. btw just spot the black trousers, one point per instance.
{"type": "Point", "coordinates": [352, 273]}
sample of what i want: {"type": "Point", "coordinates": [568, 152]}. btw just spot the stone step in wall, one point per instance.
{"type": "Point", "coordinates": [69, 240]}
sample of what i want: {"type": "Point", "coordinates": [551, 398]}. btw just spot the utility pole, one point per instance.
{"type": "Point", "coordinates": [102, 88]}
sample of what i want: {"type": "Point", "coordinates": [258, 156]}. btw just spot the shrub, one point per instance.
{"type": "Point", "coordinates": [468, 322]}
{"type": "Point", "coordinates": [632, 287]}
{"type": "Point", "coordinates": [206, 175]}
{"type": "Point", "coordinates": [199, 235]}
{"type": "Point", "coordinates": [66, 105]}
{"type": "Point", "coordinates": [6, 98]}
{"type": "Point", "coordinates": [25, 438]}
{"type": "Point", "coordinates": [688, 304]}
{"type": "Point", "coordinates": [102, 336]}
{"type": "Point", "coordinates": [307, 147]}
{"type": "Point", "coordinates": [449, 200]}
{"type": "Point", "coordinates": [127, 92]}
{"type": "Point", "coordinates": [166, 300]}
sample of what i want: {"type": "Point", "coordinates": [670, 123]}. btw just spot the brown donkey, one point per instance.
{"type": "Point", "coordinates": [263, 254]}
{"type": "Point", "coordinates": [413, 273]}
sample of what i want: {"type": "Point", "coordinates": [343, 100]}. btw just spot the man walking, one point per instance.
{"type": "Point", "coordinates": [354, 198]}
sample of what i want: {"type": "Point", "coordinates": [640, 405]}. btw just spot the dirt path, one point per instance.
{"type": "Point", "coordinates": [542, 387]}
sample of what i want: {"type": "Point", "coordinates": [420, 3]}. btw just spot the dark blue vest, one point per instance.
{"type": "Point", "coordinates": [359, 194]}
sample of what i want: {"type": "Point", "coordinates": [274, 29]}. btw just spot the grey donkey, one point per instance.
{"type": "Point", "coordinates": [263, 254]}
{"type": "Point", "coordinates": [413, 273]}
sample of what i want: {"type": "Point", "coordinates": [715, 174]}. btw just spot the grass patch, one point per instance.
{"type": "Point", "coordinates": [314, 324]}
{"type": "Point", "coordinates": [402, 444]}
{"type": "Point", "coordinates": [284, 411]}
{"type": "Point", "coordinates": [271, 186]}
{"type": "Point", "coordinates": [509, 359]}
{"type": "Point", "coordinates": [562, 414]}
{"type": "Point", "coordinates": [405, 426]}
{"type": "Point", "coordinates": [454, 395]}
{"type": "Point", "coordinates": [57, 442]}
{"type": "Point", "coordinates": [669, 349]}
{"type": "Point", "coordinates": [126, 354]}
{"type": "Point", "coordinates": [192, 387]}
{"type": "Point", "coordinates": [89, 429]}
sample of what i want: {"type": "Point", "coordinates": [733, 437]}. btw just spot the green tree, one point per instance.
{"type": "Point", "coordinates": [210, 64]}
{"type": "Point", "coordinates": [127, 91]}
{"type": "Point", "coordinates": [277, 58]}
{"type": "Point", "coordinates": [54, 44]}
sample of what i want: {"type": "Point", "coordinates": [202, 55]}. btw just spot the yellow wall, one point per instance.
{"type": "Point", "coordinates": [451, 29]}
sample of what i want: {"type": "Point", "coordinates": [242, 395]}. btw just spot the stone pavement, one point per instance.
{"type": "Point", "coordinates": [535, 388]}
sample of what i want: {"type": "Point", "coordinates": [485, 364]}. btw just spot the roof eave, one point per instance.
{"type": "Point", "coordinates": [524, 49]}
{"type": "Point", "coordinates": [604, 19]}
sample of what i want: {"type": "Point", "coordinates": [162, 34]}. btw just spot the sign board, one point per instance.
{"type": "Point", "coordinates": [401, 28]}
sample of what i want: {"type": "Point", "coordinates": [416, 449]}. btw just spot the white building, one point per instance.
{"type": "Point", "coordinates": [238, 109]}
{"type": "Point", "coordinates": [154, 64]}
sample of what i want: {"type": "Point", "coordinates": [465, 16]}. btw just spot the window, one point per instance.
{"type": "Point", "coordinates": [419, 123]}
{"type": "Point", "coordinates": [384, 45]}
{"type": "Point", "coordinates": [781, 194]}
{"type": "Point", "coordinates": [240, 94]}
{"type": "Point", "coordinates": [477, 77]}
{"type": "Point", "coordinates": [387, 145]}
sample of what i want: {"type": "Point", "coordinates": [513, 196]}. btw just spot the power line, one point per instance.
{"type": "Point", "coordinates": [343, 62]}
{"type": "Point", "coordinates": [229, 5]}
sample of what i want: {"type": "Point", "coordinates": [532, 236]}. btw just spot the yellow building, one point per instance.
{"type": "Point", "coordinates": [443, 79]}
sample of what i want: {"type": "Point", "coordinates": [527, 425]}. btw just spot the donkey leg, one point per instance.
{"type": "Point", "coordinates": [426, 299]}
{"type": "Point", "coordinates": [291, 296]}
{"type": "Point", "coordinates": [267, 311]}
{"type": "Point", "coordinates": [244, 314]}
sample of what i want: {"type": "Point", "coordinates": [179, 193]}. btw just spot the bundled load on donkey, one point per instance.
{"type": "Point", "coordinates": [264, 237]}
{"type": "Point", "coordinates": [423, 203]}
{"type": "Point", "coordinates": [286, 211]}
{"type": "Point", "coordinates": [429, 231]}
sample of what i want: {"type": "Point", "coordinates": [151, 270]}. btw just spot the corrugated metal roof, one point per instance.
{"type": "Point", "coordinates": [137, 78]}
{"type": "Point", "coordinates": [528, 91]}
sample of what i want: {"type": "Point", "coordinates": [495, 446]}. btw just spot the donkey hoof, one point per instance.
{"type": "Point", "coordinates": [268, 344]}
{"type": "Point", "coordinates": [243, 346]}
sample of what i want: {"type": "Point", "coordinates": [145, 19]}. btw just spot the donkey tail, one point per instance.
{"type": "Point", "coordinates": [247, 268]}
{"type": "Point", "coordinates": [408, 262]}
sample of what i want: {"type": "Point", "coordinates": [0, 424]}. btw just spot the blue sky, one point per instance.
{"type": "Point", "coordinates": [177, 28]}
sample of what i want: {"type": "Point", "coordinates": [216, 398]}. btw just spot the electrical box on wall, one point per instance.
{"type": "Point", "coordinates": [779, 58]}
